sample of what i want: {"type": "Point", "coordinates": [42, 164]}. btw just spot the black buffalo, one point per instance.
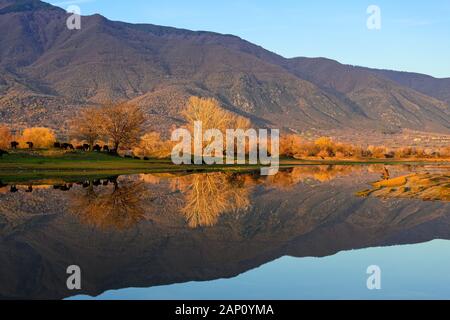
{"type": "Point", "coordinates": [67, 146]}
{"type": "Point", "coordinates": [97, 148]}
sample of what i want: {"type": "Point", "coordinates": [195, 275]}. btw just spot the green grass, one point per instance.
{"type": "Point", "coordinates": [20, 166]}
{"type": "Point", "coordinates": [24, 165]}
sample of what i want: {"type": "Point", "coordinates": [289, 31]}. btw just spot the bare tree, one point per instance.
{"type": "Point", "coordinates": [123, 124]}
{"type": "Point", "coordinates": [87, 126]}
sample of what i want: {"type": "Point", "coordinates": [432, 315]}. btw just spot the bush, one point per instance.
{"type": "Point", "coordinates": [40, 137]}
{"type": "Point", "coordinates": [151, 145]}
{"type": "Point", "coordinates": [290, 145]}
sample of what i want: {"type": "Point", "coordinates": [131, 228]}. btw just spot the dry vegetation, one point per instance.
{"type": "Point", "coordinates": [424, 186]}
{"type": "Point", "coordinates": [325, 148]}
{"type": "Point", "coordinates": [122, 127]}
{"type": "Point", "coordinates": [212, 115]}
{"type": "Point", "coordinates": [5, 137]}
{"type": "Point", "coordinates": [40, 137]}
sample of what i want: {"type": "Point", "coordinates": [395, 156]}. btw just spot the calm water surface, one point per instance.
{"type": "Point", "coordinates": [306, 233]}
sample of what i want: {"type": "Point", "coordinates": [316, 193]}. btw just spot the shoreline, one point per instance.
{"type": "Point", "coordinates": [22, 167]}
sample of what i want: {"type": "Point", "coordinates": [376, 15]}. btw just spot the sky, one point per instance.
{"type": "Point", "coordinates": [413, 36]}
{"type": "Point", "coordinates": [417, 271]}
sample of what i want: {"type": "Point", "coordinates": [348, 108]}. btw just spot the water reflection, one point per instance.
{"type": "Point", "coordinates": [109, 204]}
{"type": "Point", "coordinates": [424, 186]}
{"type": "Point", "coordinates": [287, 179]}
{"type": "Point", "coordinates": [120, 202]}
{"type": "Point", "coordinates": [150, 230]}
{"type": "Point", "coordinates": [207, 196]}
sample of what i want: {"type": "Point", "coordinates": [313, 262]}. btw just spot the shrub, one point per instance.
{"type": "Point", "coordinates": [290, 145]}
{"type": "Point", "coordinates": [40, 137]}
{"type": "Point", "coordinates": [151, 145]}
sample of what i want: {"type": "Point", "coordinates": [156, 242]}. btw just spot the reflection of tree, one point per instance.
{"type": "Point", "coordinates": [209, 195]}
{"type": "Point", "coordinates": [117, 206]}
{"type": "Point", "coordinates": [425, 186]}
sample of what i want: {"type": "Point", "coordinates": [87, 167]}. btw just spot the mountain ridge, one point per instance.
{"type": "Point", "coordinates": [49, 72]}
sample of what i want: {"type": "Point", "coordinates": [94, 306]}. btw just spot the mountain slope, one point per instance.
{"type": "Point", "coordinates": [381, 99]}
{"type": "Point", "coordinates": [433, 87]}
{"type": "Point", "coordinates": [50, 71]}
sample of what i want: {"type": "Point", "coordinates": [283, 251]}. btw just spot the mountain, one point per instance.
{"type": "Point", "coordinates": [49, 71]}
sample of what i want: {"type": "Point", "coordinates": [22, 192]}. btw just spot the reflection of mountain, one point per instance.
{"type": "Point", "coordinates": [306, 219]}
{"type": "Point", "coordinates": [425, 186]}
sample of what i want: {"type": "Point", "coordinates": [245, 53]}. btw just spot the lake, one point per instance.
{"type": "Point", "coordinates": [310, 232]}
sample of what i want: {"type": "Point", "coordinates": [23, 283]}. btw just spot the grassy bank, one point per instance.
{"type": "Point", "coordinates": [47, 164]}
{"type": "Point", "coordinates": [42, 164]}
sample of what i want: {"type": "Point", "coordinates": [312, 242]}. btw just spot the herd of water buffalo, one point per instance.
{"type": "Point", "coordinates": [68, 146]}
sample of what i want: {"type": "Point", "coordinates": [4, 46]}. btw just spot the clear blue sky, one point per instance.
{"type": "Point", "coordinates": [414, 35]}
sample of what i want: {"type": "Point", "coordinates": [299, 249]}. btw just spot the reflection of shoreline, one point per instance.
{"type": "Point", "coordinates": [424, 186]}
{"type": "Point", "coordinates": [119, 203]}
{"type": "Point", "coordinates": [320, 173]}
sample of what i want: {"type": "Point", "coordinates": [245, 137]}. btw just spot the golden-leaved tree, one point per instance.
{"type": "Point", "coordinates": [212, 115]}
{"type": "Point", "coordinates": [39, 136]}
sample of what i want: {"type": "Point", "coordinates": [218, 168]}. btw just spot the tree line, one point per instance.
{"type": "Point", "coordinates": [109, 127]}
{"type": "Point", "coordinates": [294, 146]}
{"type": "Point", "coordinates": [115, 127]}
